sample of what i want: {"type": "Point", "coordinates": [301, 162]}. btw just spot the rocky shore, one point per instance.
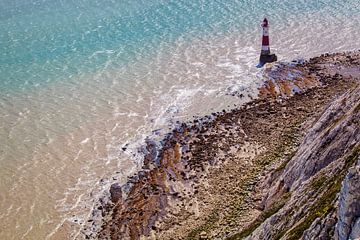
{"type": "Point", "coordinates": [284, 166]}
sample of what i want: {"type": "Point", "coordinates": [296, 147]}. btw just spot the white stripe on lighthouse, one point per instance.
{"type": "Point", "coordinates": [265, 31]}
{"type": "Point", "coordinates": [265, 48]}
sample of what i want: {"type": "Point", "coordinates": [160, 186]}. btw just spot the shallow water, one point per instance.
{"type": "Point", "coordinates": [81, 79]}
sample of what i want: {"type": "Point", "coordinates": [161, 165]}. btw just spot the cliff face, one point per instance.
{"type": "Point", "coordinates": [348, 225]}
{"type": "Point", "coordinates": [321, 182]}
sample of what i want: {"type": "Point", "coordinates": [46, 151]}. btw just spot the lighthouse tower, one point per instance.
{"type": "Point", "coordinates": [265, 56]}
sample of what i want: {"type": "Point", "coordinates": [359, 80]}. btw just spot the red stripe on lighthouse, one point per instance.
{"type": "Point", "coordinates": [265, 41]}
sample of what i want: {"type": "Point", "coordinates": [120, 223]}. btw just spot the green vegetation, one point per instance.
{"type": "Point", "coordinates": [264, 215]}
{"type": "Point", "coordinates": [285, 162]}
{"type": "Point", "coordinates": [213, 218]}
{"type": "Point", "coordinates": [349, 161]}
{"type": "Point", "coordinates": [318, 183]}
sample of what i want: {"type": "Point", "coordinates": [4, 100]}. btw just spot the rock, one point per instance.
{"type": "Point", "coordinates": [349, 206]}
{"type": "Point", "coordinates": [320, 229]}
{"type": "Point", "coordinates": [203, 235]}
{"type": "Point", "coordinates": [355, 232]}
{"type": "Point", "coordinates": [115, 192]}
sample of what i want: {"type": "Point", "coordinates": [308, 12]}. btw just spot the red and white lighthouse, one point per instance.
{"type": "Point", "coordinates": [265, 56]}
{"type": "Point", "coordinates": [265, 48]}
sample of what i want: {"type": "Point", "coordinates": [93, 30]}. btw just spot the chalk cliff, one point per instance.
{"type": "Point", "coordinates": [321, 181]}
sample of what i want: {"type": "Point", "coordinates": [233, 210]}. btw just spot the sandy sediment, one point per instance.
{"type": "Point", "coordinates": [204, 181]}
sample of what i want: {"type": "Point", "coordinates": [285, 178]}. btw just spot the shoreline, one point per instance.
{"type": "Point", "coordinates": [203, 181]}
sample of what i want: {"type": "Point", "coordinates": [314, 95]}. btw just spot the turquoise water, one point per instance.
{"type": "Point", "coordinates": [48, 40]}
{"type": "Point", "coordinates": [43, 41]}
{"type": "Point", "coordinates": [79, 80]}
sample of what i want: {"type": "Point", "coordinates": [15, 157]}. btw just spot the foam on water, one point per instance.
{"type": "Point", "coordinates": [82, 80]}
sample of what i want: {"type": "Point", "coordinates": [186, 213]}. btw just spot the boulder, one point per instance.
{"type": "Point", "coordinates": [115, 192]}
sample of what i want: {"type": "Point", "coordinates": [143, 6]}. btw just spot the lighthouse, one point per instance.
{"type": "Point", "coordinates": [265, 55]}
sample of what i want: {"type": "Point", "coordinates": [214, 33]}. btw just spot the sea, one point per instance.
{"type": "Point", "coordinates": [84, 83]}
